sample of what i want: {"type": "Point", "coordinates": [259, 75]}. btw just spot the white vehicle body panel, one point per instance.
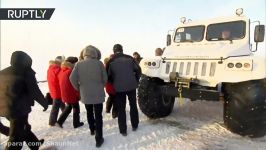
{"type": "Point", "coordinates": [202, 60]}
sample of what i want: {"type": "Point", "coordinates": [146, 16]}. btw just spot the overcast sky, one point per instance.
{"type": "Point", "coordinates": [139, 25]}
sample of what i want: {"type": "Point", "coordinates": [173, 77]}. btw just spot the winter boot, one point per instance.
{"type": "Point", "coordinates": [76, 119]}
{"type": "Point", "coordinates": [59, 125]}
{"type": "Point", "coordinates": [99, 142]}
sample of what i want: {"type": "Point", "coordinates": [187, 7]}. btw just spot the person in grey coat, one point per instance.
{"type": "Point", "coordinates": [124, 73]}
{"type": "Point", "coordinates": [89, 78]}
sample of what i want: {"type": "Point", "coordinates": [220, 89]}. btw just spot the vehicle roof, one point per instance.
{"type": "Point", "coordinates": [212, 21]}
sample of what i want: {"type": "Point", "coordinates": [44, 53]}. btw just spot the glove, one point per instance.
{"type": "Point", "coordinates": [45, 108]}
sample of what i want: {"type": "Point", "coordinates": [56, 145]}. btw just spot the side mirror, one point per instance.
{"type": "Point", "coordinates": [168, 42]}
{"type": "Point", "coordinates": [259, 33]}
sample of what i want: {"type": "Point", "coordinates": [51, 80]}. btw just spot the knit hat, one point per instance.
{"type": "Point", "coordinates": [117, 48]}
{"type": "Point", "coordinates": [72, 59]}
{"type": "Point", "coordinates": [90, 51]}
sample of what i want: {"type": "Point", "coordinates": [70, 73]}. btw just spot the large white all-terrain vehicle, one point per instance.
{"type": "Point", "coordinates": [202, 56]}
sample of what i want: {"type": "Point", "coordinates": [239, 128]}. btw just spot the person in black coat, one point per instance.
{"type": "Point", "coordinates": [124, 73]}
{"type": "Point", "coordinates": [18, 90]}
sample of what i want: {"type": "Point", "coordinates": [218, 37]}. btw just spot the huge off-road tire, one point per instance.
{"type": "Point", "coordinates": [150, 99]}
{"type": "Point", "coordinates": [245, 107]}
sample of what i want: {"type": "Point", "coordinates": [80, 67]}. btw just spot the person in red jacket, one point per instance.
{"type": "Point", "coordinates": [54, 89]}
{"type": "Point", "coordinates": [111, 92]}
{"type": "Point", "coordinates": [69, 95]}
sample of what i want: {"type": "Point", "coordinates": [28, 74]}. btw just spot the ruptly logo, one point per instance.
{"type": "Point", "coordinates": [26, 13]}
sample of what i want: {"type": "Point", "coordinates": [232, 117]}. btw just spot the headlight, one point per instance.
{"type": "Point", "coordinates": [239, 65]}
{"type": "Point", "coordinates": [152, 63]}
{"type": "Point", "coordinates": [247, 65]}
{"type": "Point", "coordinates": [145, 63]}
{"type": "Point", "coordinates": [230, 65]}
{"type": "Point", "coordinates": [239, 11]}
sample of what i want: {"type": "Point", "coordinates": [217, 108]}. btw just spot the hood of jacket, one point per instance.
{"type": "Point", "coordinates": [21, 59]}
{"type": "Point", "coordinates": [52, 62]}
{"type": "Point", "coordinates": [66, 64]}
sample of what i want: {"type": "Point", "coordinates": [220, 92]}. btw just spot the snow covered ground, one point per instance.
{"type": "Point", "coordinates": [193, 126]}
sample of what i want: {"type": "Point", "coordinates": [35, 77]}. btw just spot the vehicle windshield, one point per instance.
{"type": "Point", "coordinates": [226, 31]}
{"type": "Point", "coordinates": [189, 34]}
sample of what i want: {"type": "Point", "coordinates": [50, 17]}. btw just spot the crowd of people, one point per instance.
{"type": "Point", "coordinates": [70, 80]}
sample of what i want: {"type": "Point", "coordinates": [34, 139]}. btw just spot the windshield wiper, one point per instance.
{"type": "Point", "coordinates": [186, 40]}
{"type": "Point", "coordinates": [221, 39]}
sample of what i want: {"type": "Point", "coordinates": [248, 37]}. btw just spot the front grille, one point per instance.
{"type": "Point", "coordinates": [181, 68]}
{"type": "Point", "coordinates": [174, 67]}
{"type": "Point", "coordinates": [192, 68]}
{"type": "Point", "coordinates": [212, 69]}
{"type": "Point", "coordinates": [168, 65]}
{"type": "Point", "coordinates": [203, 69]}
{"type": "Point", "coordinates": [196, 69]}
{"type": "Point", "coordinates": [188, 68]}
